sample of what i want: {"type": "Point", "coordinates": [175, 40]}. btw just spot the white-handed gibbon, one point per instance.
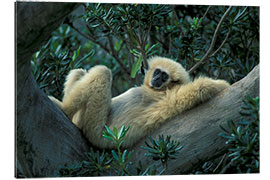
{"type": "Point", "coordinates": [166, 92]}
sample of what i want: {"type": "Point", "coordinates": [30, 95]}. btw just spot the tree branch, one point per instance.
{"type": "Point", "coordinates": [146, 34]}
{"type": "Point", "coordinates": [115, 55]}
{"type": "Point", "coordinates": [204, 58]}
{"type": "Point", "coordinates": [222, 44]}
{"type": "Point", "coordinates": [206, 12]}
{"type": "Point", "coordinates": [198, 128]}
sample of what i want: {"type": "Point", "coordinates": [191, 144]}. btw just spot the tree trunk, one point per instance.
{"type": "Point", "coordinates": [45, 138]}
{"type": "Point", "coordinates": [198, 128]}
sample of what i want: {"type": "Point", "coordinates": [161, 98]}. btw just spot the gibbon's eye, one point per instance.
{"type": "Point", "coordinates": [176, 81]}
{"type": "Point", "coordinates": [157, 72]}
{"type": "Point", "coordinates": [164, 76]}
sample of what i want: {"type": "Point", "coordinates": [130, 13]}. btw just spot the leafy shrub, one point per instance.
{"type": "Point", "coordinates": [162, 149]}
{"type": "Point", "coordinates": [243, 139]}
{"type": "Point", "coordinates": [117, 161]}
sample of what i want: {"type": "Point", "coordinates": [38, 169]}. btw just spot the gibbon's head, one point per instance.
{"type": "Point", "coordinates": [165, 73]}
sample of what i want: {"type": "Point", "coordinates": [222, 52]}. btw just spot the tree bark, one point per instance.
{"type": "Point", "coordinates": [198, 128]}
{"type": "Point", "coordinates": [45, 138]}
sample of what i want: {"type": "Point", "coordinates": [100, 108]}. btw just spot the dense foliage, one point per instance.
{"type": "Point", "coordinates": [123, 36]}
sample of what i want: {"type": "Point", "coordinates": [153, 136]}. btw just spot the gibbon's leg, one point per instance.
{"type": "Point", "coordinates": [87, 101]}
{"type": "Point", "coordinates": [90, 99]}
{"type": "Point", "coordinates": [182, 98]}
{"type": "Point", "coordinates": [89, 92]}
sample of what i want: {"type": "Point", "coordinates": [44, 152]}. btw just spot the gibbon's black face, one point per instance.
{"type": "Point", "coordinates": [160, 77]}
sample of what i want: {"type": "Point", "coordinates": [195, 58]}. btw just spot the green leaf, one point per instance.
{"type": "Point", "coordinates": [136, 67]}
{"type": "Point", "coordinates": [120, 133]}
{"type": "Point", "coordinates": [129, 155]}
{"type": "Point", "coordinates": [58, 49]}
{"type": "Point", "coordinates": [115, 132]}
{"type": "Point", "coordinates": [151, 48]}
{"type": "Point", "coordinates": [224, 129]}
{"type": "Point", "coordinates": [94, 25]}
{"type": "Point", "coordinates": [179, 148]}
{"type": "Point", "coordinates": [239, 130]}
{"type": "Point", "coordinates": [78, 63]}
{"type": "Point", "coordinates": [237, 153]}
{"type": "Point", "coordinates": [115, 156]}
{"type": "Point", "coordinates": [146, 171]}
{"type": "Point", "coordinates": [254, 138]}
{"type": "Point", "coordinates": [108, 14]}
{"type": "Point", "coordinates": [117, 45]}
{"type": "Point", "coordinates": [121, 142]}
{"type": "Point", "coordinates": [135, 52]}
{"type": "Point", "coordinates": [240, 15]}
{"type": "Point", "coordinates": [124, 155]}
{"type": "Point", "coordinates": [108, 137]}
{"type": "Point", "coordinates": [76, 54]}
{"type": "Point", "coordinates": [146, 148]}
{"type": "Point", "coordinates": [108, 131]}
{"type": "Point", "coordinates": [146, 46]}
{"type": "Point", "coordinates": [124, 132]}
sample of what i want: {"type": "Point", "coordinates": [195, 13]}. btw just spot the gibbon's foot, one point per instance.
{"type": "Point", "coordinates": [73, 76]}
{"type": "Point", "coordinates": [77, 73]}
{"type": "Point", "coordinates": [100, 73]}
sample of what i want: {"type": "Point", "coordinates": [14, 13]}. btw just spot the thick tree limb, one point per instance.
{"type": "Point", "coordinates": [198, 128]}
{"type": "Point", "coordinates": [45, 138]}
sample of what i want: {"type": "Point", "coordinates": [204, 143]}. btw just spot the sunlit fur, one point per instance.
{"type": "Point", "coordinates": [87, 100]}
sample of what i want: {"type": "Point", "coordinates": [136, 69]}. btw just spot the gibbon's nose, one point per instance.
{"type": "Point", "coordinates": [156, 82]}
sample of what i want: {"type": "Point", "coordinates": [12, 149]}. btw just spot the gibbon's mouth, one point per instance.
{"type": "Point", "coordinates": [155, 86]}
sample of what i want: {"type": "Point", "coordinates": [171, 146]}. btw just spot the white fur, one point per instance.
{"type": "Point", "coordinates": [87, 101]}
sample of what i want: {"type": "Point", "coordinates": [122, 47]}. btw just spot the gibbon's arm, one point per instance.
{"type": "Point", "coordinates": [182, 98]}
